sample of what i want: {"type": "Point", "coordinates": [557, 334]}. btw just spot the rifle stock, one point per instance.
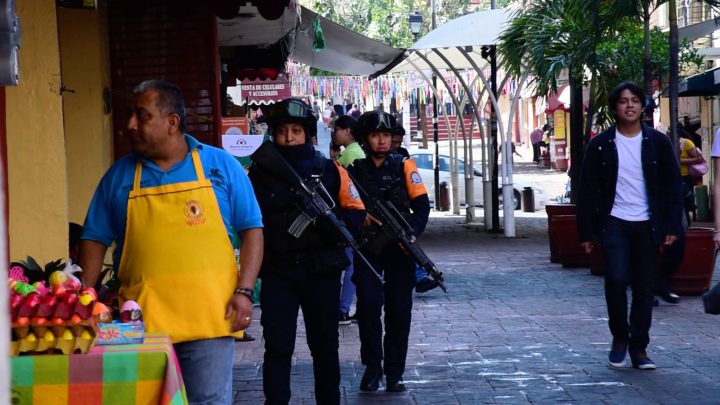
{"type": "Point", "coordinates": [396, 228]}
{"type": "Point", "coordinates": [268, 158]}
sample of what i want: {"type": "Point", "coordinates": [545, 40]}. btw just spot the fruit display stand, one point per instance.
{"type": "Point", "coordinates": [54, 330]}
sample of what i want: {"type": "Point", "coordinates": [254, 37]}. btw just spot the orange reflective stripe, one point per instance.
{"type": "Point", "coordinates": [413, 181]}
{"type": "Point", "coordinates": [348, 197]}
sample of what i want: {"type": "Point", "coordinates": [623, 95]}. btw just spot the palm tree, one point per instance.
{"type": "Point", "coordinates": [550, 37]}
{"type": "Point", "coordinates": [643, 8]}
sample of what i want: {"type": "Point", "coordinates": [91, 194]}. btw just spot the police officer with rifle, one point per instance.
{"type": "Point", "coordinates": [297, 188]}
{"type": "Point", "coordinates": [386, 177]}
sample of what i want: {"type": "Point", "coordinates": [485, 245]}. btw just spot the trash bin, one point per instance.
{"type": "Point", "coordinates": [701, 203]}
{"type": "Point", "coordinates": [527, 199]}
{"type": "Point", "coordinates": [444, 197]}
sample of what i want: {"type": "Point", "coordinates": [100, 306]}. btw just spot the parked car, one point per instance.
{"type": "Point", "coordinates": [424, 162]}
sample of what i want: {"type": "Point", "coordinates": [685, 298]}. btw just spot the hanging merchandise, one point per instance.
{"type": "Point", "coordinates": [319, 42]}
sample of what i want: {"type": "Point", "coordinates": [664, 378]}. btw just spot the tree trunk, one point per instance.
{"type": "Point", "coordinates": [576, 132]}
{"type": "Point", "coordinates": [590, 112]}
{"type": "Point", "coordinates": [674, 76]}
{"type": "Point", "coordinates": [647, 67]}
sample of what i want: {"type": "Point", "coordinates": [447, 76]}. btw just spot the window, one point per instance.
{"type": "Point", "coordinates": [444, 163]}
{"type": "Point", "coordinates": [423, 161]}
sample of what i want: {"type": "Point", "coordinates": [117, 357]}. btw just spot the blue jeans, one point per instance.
{"type": "Point", "coordinates": [347, 293]}
{"type": "Point", "coordinates": [207, 367]}
{"type": "Point", "coordinates": [630, 256]}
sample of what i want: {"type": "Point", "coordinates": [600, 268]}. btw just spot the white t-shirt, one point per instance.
{"type": "Point", "coordinates": [715, 152]}
{"type": "Point", "coordinates": [631, 203]}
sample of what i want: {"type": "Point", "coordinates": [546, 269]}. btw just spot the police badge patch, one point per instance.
{"type": "Point", "coordinates": [353, 192]}
{"type": "Point", "coordinates": [415, 178]}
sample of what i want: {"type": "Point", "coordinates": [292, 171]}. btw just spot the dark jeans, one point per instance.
{"type": "Point", "coordinates": [280, 298]}
{"type": "Point", "coordinates": [536, 150]}
{"type": "Point", "coordinates": [630, 257]}
{"type": "Point", "coordinates": [399, 274]}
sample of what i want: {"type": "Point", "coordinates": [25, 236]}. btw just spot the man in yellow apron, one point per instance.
{"type": "Point", "coordinates": [171, 208]}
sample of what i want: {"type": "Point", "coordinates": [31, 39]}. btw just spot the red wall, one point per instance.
{"type": "Point", "coordinates": [174, 41]}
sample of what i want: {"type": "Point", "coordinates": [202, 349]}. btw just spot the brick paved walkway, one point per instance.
{"type": "Point", "coordinates": [516, 329]}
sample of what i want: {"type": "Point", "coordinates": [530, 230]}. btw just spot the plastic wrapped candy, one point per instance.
{"type": "Point", "coordinates": [130, 312]}
{"type": "Point", "coordinates": [102, 313]}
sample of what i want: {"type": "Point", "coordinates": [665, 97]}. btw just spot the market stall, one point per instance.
{"type": "Point", "coordinates": [67, 349]}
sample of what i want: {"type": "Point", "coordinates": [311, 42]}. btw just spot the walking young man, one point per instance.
{"type": "Point", "coordinates": [629, 202]}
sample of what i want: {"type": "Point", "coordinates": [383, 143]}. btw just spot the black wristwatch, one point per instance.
{"type": "Point", "coordinates": [248, 292]}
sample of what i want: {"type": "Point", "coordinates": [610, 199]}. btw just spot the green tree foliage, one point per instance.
{"type": "Point", "coordinates": [620, 56]}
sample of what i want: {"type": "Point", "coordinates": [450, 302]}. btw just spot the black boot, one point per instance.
{"type": "Point", "coordinates": [370, 381]}
{"type": "Point", "coordinates": [395, 384]}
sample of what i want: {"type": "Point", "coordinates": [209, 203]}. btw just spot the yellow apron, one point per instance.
{"type": "Point", "coordinates": [177, 261]}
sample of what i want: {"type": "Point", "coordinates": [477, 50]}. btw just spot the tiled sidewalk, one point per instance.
{"type": "Point", "coordinates": [514, 328]}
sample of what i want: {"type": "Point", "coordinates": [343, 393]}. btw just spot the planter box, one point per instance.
{"type": "Point", "coordinates": [694, 275]}
{"type": "Point", "coordinates": [570, 253]}
{"type": "Point", "coordinates": [553, 210]}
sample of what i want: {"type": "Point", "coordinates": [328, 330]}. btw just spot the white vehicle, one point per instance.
{"type": "Point", "coordinates": [424, 162]}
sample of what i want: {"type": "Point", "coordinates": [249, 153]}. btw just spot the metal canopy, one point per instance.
{"type": "Point", "coordinates": [471, 31]}
{"type": "Point", "coordinates": [706, 83]}
{"type": "Point", "coordinates": [458, 45]}
{"type": "Point", "coordinates": [345, 51]}
{"type": "Point", "coordinates": [694, 31]}
{"type": "Point", "coordinates": [481, 28]}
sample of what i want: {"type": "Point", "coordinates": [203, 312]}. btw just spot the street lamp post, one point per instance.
{"type": "Point", "coordinates": [436, 169]}
{"type": "Point", "coordinates": [415, 21]}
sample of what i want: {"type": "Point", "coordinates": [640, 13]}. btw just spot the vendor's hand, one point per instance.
{"type": "Point", "coordinates": [587, 246]}
{"type": "Point", "coordinates": [669, 240]}
{"type": "Point", "coordinates": [370, 220]}
{"type": "Point", "coordinates": [716, 239]}
{"type": "Point", "coordinates": [240, 308]}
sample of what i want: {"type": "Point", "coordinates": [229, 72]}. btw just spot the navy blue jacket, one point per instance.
{"type": "Point", "coordinates": [598, 180]}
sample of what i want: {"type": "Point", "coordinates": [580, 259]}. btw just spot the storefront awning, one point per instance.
{"type": "Point", "coordinates": [706, 83]}
{"type": "Point", "coordinates": [345, 51]}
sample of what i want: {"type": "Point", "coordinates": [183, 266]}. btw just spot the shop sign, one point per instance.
{"type": "Point", "coordinates": [241, 145]}
{"type": "Point", "coordinates": [265, 91]}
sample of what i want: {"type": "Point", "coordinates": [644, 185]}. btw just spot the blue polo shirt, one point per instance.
{"type": "Point", "coordinates": [107, 215]}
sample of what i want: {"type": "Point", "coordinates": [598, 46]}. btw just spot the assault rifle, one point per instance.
{"type": "Point", "coordinates": [396, 228]}
{"type": "Point", "coordinates": [313, 195]}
